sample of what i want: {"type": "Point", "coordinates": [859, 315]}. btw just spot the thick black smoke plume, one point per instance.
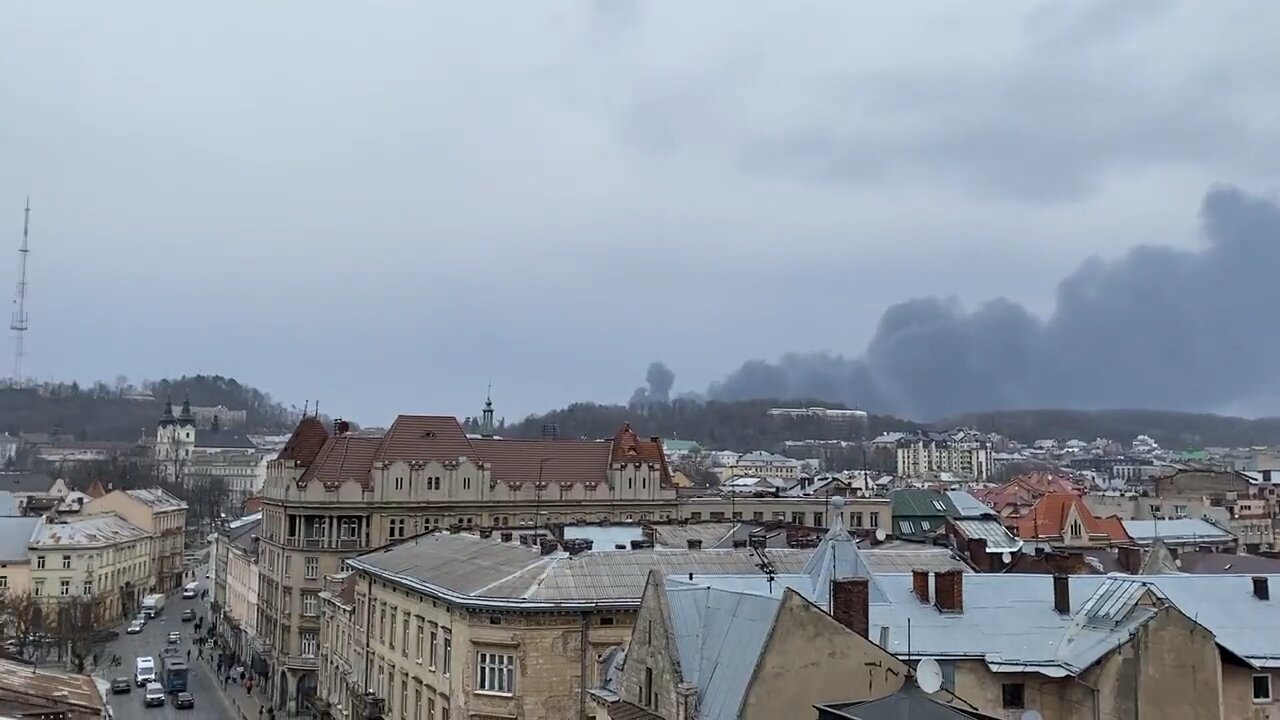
{"type": "Point", "coordinates": [660, 379]}
{"type": "Point", "coordinates": [1158, 328]}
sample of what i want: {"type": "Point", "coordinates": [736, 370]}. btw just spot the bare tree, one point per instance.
{"type": "Point", "coordinates": [77, 618]}
{"type": "Point", "coordinates": [20, 618]}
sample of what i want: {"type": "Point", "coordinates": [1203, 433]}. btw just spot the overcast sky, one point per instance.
{"type": "Point", "coordinates": [384, 205]}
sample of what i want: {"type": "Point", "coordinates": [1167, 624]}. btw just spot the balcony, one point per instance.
{"type": "Point", "coordinates": [368, 706]}
{"type": "Point", "coordinates": [302, 662]}
{"type": "Point", "coordinates": [315, 543]}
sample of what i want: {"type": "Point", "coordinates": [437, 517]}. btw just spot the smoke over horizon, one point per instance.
{"type": "Point", "coordinates": [1158, 328]}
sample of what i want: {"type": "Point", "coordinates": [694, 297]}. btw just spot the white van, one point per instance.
{"type": "Point", "coordinates": [144, 671]}
{"type": "Point", "coordinates": [189, 591]}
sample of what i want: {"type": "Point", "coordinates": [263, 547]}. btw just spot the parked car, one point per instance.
{"type": "Point", "coordinates": [121, 685]}
{"type": "Point", "coordinates": [188, 615]}
{"type": "Point", "coordinates": [184, 701]}
{"type": "Point", "coordinates": [134, 628]}
{"type": "Point", "coordinates": [175, 637]}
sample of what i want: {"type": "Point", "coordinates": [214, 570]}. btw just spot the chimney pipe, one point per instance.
{"type": "Point", "coordinates": [695, 543]}
{"type": "Point", "coordinates": [851, 604]}
{"type": "Point", "coordinates": [920, 584]}
{"type": "Point", "coordinates": [1130, 558]}
{"type": "Point", "coordinates": [948, 591]}
{"type": "Point", "coordinates": [505, 536]}
{"type": "Point", "coordinates": [884, 637]}
{"type": "Point", "coordinates": [1062, 594]}
{"type": "Point", "coordinates": [1260, 588]}
{"type": "Point", "coordinates": [977, 550]}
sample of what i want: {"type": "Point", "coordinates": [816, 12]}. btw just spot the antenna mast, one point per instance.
{"type": "Point", "coordinates": [20, 320]}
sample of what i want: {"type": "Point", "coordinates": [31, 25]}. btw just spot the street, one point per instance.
{"type": "Point", "coordinates": [211, 701]}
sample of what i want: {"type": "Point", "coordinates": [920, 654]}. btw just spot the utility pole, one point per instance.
{"type": "Point", "coordinates": [19, 323]}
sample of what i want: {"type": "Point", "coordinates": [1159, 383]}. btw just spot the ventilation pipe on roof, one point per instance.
{"type": "Point", "coordinates": [1062, 594]}
{"type": "Point", "coordinates": [1260, 588]}
{"type": "Point", "coordinates": [695, 543]}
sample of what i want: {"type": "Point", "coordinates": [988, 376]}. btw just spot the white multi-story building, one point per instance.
{"type": "Point", "coordinates": [922, 454]}
{"type": "Point", "coordinates": [104, 557]}
{"type": "Point", "coordinates": [766, 464]}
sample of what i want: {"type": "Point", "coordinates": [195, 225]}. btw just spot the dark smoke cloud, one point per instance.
{"type": "Point", "coordinates": [1156, 328]}
{"type": "Point", "coordinates": [660, 379]}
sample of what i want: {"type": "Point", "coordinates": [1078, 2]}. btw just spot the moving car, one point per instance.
{"type": "Point", "coordinates": [121, 685]}
{"type": "Point", "coordinates": [141, 618]}
{"type": "Point", "coordinates": [153, 695]}
{"type": "Point", "coordinates": [189, 591]}
{"type": "Point", "coordinates": [144, 671]}
{"type": "Point", "coordinates": [175, 637]}
{"type": "Point", "coordinates": [184, 701]}
{"type": "Point", "coordinates": [188, 615]}
{"type": "Point", "coordinates": [134, 628]}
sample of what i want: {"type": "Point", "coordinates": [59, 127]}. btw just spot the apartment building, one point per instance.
{"type": "Point", "coordinates": [810, 511]}
{"type": "Point", "coordinates": [331, 496]}
{"type": "Point", "coordinates": [104, 557]}
{"type": "Point", "coordinates": [236, 589]}
{"type": "Point", "coordinates": [338, 658]}
{"type": "Point", "coordinates": [15, 558]}
{"type": "Point", "coordinates": [163, 517]}
{"type": "Point", "coordinates": [766, 465]}
{"type": "Point", "coordinates": [924, 453]}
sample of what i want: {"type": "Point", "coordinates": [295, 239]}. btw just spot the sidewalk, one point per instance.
{"type": "Point", "coordinates": [247, 704]}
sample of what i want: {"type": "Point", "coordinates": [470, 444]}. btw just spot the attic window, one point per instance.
{"type": "Point", "coordinates": [429, 434]}
{"type": "Point", "coordinates": [940, 507]}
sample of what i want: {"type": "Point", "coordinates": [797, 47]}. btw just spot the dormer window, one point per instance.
{"type": "Point", "coordinates": [1076, 529]}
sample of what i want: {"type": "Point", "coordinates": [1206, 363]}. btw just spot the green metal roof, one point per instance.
{"type": "Point", "coordinates": [921, 503]}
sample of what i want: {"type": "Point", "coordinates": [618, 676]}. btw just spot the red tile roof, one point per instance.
{"type": "Point", "coordinates": [421, 438]}
{"type": "Point", "coordinates": [349, 457]}
{"type": "Point", "coordinates": [306, 442]}
{"type": "Point", "coordinates": [1024, 490]}
{"type": "Point", "coordinates": [576, 461]}
{"type": "Point", "coordinates": [425, 437]}
{"type": "Point", "coordinates": [1049, 516]}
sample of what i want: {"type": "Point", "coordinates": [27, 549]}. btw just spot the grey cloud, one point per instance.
{"type": "Point", "coordinates": [1156, 328]}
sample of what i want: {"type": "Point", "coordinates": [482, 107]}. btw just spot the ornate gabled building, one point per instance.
{"type": "Point", "coordinates": [333, 494]}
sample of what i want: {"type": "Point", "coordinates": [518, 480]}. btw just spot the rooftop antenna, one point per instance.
{"type": "Point", "coordinates": [20, 321]}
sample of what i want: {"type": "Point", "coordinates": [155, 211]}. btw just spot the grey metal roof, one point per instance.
{"type": "Point", "coordinates": [993, 531]}
{"type": "Point", "coordinates": [836, 558]}
{"type": "Point", "coordinates": [933, 559]}
{"type": "Point", "coordinates": [88, 531]}
{"type": "Point", "coordinates": [969, 506]}
{"type": "Point", "coordinates": [1179, 530]}
{"type": "Point", "coordinates": [15, 536]}
{"type": "Point", "coordinates": [9, 504]}
{"type": "Point", "coordinates": [909, 702]}
{"type": "Point", "coordinates": [25, 482]}
{"type": "Point", "coordinates": [712, 535]}
{"type": "Point", "coordinates": [719, 636]}
{"type": "Point", "coordinates": [157, 499]}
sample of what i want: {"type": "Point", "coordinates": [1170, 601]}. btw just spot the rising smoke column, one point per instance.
{"type": "Point", "coordinates": [1157, 328]}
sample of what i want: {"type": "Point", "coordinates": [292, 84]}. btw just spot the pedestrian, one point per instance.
{"type": "Point", "coordinates": [259, 711]}
{"type": "Point", "coordinates": [200, 654]}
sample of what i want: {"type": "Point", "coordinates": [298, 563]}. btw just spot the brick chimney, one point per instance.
{"type": "Point", "coordinates": [1260, 588]}
{"type": "Point", "coordinates": [1062, 594]}
{"type": "Point", "coordinates": [948, 589]}
{"type": "Point", "coordinates": [920, 584]}
{"type": "Point", "coordinates": [977, 550]}
{"type": "Point", "coordinates": [505, 536]}
{"type": "Point", "coordinates": [1130, 558]}
{"type": "Point", "coordinates": [851, 604]}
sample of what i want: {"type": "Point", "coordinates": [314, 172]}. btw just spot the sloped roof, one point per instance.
{"type": "Point", "coordinates": [968, 506]}
{"type": "Point", "coordinates": [305, 443]}
{"type": "Point", "coordinates": [909, 702]}
{"type": "Point", "coordinates": [915, 502]}
{"type": "Point", "coordinates": [1179, 530]}
{"type": "Point", "coordinates": [156, 498]}
{"type": "Point", "coordinates": [90, 531]}
{"type": "Point", "coordinates": [349, 457]}
{"type": "Point", "coordinates": [719, 636]}
{"type": "Point", "coordinates": [577, 461]}
{"type": "Point", "coordinates": [1048, 517]}
{"type": "Point", "coordinates": [224, 440]}
{"type": "Point", "coordinates": [837, 558]}
{"type": "Point", "coordinates": [15, 536]}
{"type": "Point", "coordinates": [425, 437]}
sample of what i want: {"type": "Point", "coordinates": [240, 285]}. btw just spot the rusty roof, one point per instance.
{"type": "Point", "coordinates": [576, 461]}
{"type": "Point", "coordinates": [77, 691]}
{"type": "Point", "coordinates": [1049, 515]}
{"type": "Point", "coordinates": [425, 437]}
{"type": "Point", "coordinates": [306, 442]}
{"type": "Point", "coordinates": [349, 457]}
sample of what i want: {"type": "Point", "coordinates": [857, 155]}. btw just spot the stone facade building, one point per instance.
{"type": "Point", "coordinates": [163, 517]}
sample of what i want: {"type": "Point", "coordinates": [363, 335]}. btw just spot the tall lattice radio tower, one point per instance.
{"type": "Point", "coordinates": [20, 321]}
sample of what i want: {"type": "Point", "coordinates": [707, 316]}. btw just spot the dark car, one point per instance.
{"type": "Point", "coordinates": [184, 701]}
{"type": "Point", "coordinates": [188, 615]}
{"type": "Point", "coordinates": [121, 685]}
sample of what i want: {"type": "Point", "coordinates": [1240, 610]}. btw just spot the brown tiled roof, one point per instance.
{"type": "Point", "coordinates": [349, 457]}
{"type": "Point", "coordinates": [425, 437]}
{"type": "Point", "coordinates": [306, 442]}
{"type": "Point", "coordinates": [1049, 516]}
{"type": "Point", "coordinates": [95, 490]}
{"type": "Point", "coordinates": [629, 448]}
{"type": "Point", "coordinates": [576, 461]}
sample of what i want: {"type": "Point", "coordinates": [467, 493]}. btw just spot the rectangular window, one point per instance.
{"type": "Point", "coordinates": [64, 587]}
{"type": "Point", "coordinates": [311, 567]}
{"type": "Point", "coordinates": [404, 694]}
{"type": "Point", "coordinates": [875, 519]}
{"type": "Point", "coordinates": [404, 636]}
{"type": "Point", "coordinates": [66, 562]}
{"type": "Point", "coordinates": [757, 516]}
{"type": "Point", "coordinates": [287, 558]}
{"type": "Point", "coordinates": [391, 639]}
{"type": "Point", "coordinates": [649, 696]}
{"type": "Point", "coordinates": [87, 588]}
{"type": "Point", "coordinates": [446, 660]}
{"type": "Point", "coordinates": [310, 641]}
{"type": "Point", "coordinates": [495, 672]}
{"type": "Point", "coordinates": [39, 588]}
{"type": "Point", "coordinates": [310, 604]}
{"type": "Point", "coordinates": [4, 582]}
{"type": "Point", "coordinates": [1011, 696]}
{"type": "Point", "coordinates": [417, 703]}
{"type": "Point", "coordinates": [431, 661]}
{"type": "Point", "coordinates": [857, 518]}
{"type": "Point", "coordinates": [419, 643]}
{"type": "Point", "coordinates": [1262, 688]}
{"type": "Point", "coordinates": [39, 562]}
{"type": "Point", "coordinates": [382, 621]}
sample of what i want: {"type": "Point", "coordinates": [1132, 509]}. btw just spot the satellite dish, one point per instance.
{"type": "Point", "coordinates": [1006, 558]}
{"type": "Point", "coordinates": [929, 675]}
{"type": "Point", "coordinates": [880, 535]}
{"type": "Point", "coordinates": [1031, 715]}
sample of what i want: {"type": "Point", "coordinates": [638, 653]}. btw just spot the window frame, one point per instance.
{"type": "Point", "coordinates": [1270, 691]}
{"type": "Point", "coordinates": [495, 673]}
